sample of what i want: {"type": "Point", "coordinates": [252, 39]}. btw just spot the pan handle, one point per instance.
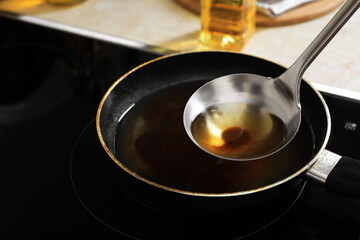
{"type": "Point", "coordinates": [340, 174]}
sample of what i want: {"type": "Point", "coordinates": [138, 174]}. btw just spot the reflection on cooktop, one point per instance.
{"type": "Point", "coordinates": [121, 210]}
{"type": "Point", "coordinates": [34, 78]}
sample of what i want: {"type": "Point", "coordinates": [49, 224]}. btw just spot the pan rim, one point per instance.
{"type": "Point", "coordinates": [202, 194]}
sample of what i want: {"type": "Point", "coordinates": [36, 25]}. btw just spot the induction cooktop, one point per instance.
{"type": "Point", "coordinates": [55, 179]}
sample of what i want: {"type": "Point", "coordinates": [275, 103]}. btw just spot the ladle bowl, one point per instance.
{"type": "Point", "coordinates": [278, 97]}
{"type": "Point", "coordinates": [259, 92]}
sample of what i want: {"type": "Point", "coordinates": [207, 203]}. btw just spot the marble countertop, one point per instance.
{"type": "Point", "coordinates": [163, 25]}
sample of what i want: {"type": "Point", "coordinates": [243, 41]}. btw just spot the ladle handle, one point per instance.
{"type": "Point", "coordinates": [295, 72]}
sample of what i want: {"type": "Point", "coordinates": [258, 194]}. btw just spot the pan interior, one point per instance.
{"type": "Point", "coordinates": [151, 141]}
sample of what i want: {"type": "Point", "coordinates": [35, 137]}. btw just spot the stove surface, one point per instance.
{"type": "Point", "coordinates": [49, 96]}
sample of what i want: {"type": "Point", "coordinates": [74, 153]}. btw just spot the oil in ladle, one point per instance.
{"type": "Point", "coordinates": [238, 130]}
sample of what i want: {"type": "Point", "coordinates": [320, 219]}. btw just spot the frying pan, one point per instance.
{"type": "Point", "coordinates": [306, 158]}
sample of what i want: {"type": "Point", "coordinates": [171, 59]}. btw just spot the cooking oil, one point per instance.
{"type": "Point", "coordinates": [151, 141]}
{"type": "Point", "coordinates": [238, 130]}
{"type": "Point", "coordinates": [227, 24]}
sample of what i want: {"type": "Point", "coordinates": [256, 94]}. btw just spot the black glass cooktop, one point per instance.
{"type": "Point", "coordinates": [56, 181]}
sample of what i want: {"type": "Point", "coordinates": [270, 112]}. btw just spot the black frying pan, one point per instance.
{"type": "Point", "coordinates": [162, 163]}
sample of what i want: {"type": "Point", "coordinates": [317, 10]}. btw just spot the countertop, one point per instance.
{"type": "Point", "coordinates": [165, 26]}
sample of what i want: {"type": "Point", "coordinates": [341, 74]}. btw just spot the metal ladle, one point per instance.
{"type": "Point", "coordinates": [279, 96]}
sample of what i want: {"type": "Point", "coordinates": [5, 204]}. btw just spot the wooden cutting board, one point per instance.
{"type": "Point", "coordinates": [303, 13]}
